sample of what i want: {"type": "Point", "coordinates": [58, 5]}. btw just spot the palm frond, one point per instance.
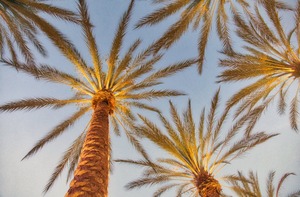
{"type": "Point", "coordinates": [54, 11]}
{"type": "Point", "coordinates": [249, 186]}
{"type": "Point", "coordinates": [163, 189]}
{"type": "Point", "coordinates": [51, 74]}
{"type": "Point", "coordinates": [58, 130]}
{"type": "Point", "coordinates": [203, 38]}
{"type": "Point", "coordinates": [20, 19]}
{"type": "Point", "coordinates": [117, 43]}
{"type": "Point", "coordinates": [170, 70]}
{"type": "Point", "coordinates": [125, 62]}
{"type": "Point", "coordinates": [68, 156]}
{"type": "Point", "coordinates": [65, 46]}
{"type": "Point", "coordinates": [173, 33]}
{"type": "Point", "coordinates": [269, 60]}
{"type": "Point", "coordinates": [146, 181]}
{"type": "Point", "coordinates": [19, 38]}
{"type": "Point", "coordinates": [37, 103]}
{"type": "Point", "coordinates": [282, 179]}
{"type": "Point", "coordinates": [144, 106]}
{"type": "Point", "coordinates": [294, 112]}
{"type": "Point", "coordinates": [162, 13]}
{"type": "Point", "coordinates": [90, 40]}
{"type": "Point", "coordinates": [151, 94]}
{"type": "Point", "coordinates": [223, 29]}
{"type": "Point", "coordinates": [270, 187]}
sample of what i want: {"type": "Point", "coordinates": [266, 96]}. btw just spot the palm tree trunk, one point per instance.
{"type": "Point", "coordinates": [207, 185]}
{"type": "Point", "coordinates": [92, 173]}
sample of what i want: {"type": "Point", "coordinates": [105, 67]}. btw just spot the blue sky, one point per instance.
{"type": "Point", "coordinates": [20, 130]}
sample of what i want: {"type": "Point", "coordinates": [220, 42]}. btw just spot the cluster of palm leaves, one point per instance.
{"type": "Point", "coordinates": [249, 186]}
{"type": "Point", "coordinates": [112, 87]}
{"type": "Point", "coordinates": [272, 58]}
{"type": "Point", "coordinates": [21, 22]}
{"type": "Point", "coordinates": [196, 155]}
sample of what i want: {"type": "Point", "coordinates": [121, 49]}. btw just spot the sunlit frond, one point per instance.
{"type": "Point", "coordinates": [69, 156]}
{"type": "Point", "coordinates": [29, 104]}
{"type": "Point", "coordinates": [246, 186]}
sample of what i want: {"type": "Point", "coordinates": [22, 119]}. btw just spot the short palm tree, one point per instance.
{"type": "Point", "coordinates": [20, 23]}
{"type": "Point", "coordinates": [197, 13]}
{"type": "Point", "coordinates": [249, 186]}
{"type": "Point", "coordinates": [196, 155]}
{"type": "Point", "coordinates": [272, 60]}
{"type": "Point", "coordinates": [110, 90]}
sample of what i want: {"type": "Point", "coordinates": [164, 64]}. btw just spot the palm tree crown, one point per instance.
{"type": "Point", "coordinates": [20, 23]}
{"type": "Point", "coordinates": [193, 12]}
{"type": "Point", "coordinates": [249, 186]}
{"type": "Point", "coordinates": [196, 155]}
{"type": "Point", "coordinates": [120, 82]}
{"type": "Point", "coordinates": [196, 13]}
{"type": "Point", "coordinates": [272, 59]}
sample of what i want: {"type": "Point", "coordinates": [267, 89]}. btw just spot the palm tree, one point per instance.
{"type": "Point", "coordinates": [196, 155]}
{"type": "Point", "coordinates": [249, 186]}
{"type": "Point", "coordinates": [272, 60]}
{"type": "Point", "coordinates": [110, 90]}
{"type": "Point", "coordinates": [20, 23]}
{"type": "Point", "coordinates": [197, 13]}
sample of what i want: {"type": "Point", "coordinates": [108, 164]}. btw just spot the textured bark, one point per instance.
{"type": "Point", "coordinates": [207, 185]}
{"type": "Point", "coordinates": [92, 173]}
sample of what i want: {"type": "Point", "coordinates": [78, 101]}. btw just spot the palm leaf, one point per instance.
{"type": "Point", "coordinates": [58, 130]}
{"type": "Point", "coordinates": [36, 103]}
{"type": "Point", "coordinates": [67, 158]}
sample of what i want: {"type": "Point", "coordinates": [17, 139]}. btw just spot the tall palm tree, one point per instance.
{"type": "Point", "coordinates": [195, 155]}
{"type": "Point", "coordinates": [110, 90]}
{"type": "Point", "coordinates": [271, 59]}
{"type": "Point", "coordinates": [196, 13]}
{"type": "Point", "coordinates": [249, 186]}
{"type": "Point", "coordinates": [20, 22]}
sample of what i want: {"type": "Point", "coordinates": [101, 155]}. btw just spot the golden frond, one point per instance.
{"type": "Point", "coordinates": [117, 43]}
{"type": "Point", "coordinates": [162, 13]}
{"type": "Point", "coordinates": [90, 40]}
{"type": "Point", "coordinates": [203, 38]}
{"type": "Point", "coordinates": [294, 113]}
{"type": "Point", "coordinates": [223, 29]}
{"type": "Point", "coordinates": [37, 103]}
{"type": "Point", "coordinates": [58, 130]}
{"type": "Point", "coordinates": [54, 11]}
{"type": "Point", "coordinates": [173, 33]}
{"type": "Point", "coordinates": [125, 62]}
{"type": "Point", "coordinates": [246, 186]}
{"type": "Point", "coordinates": [48, 73]}
{"type": "Point", "coordinates": [60, 41]}
{"type": "Point", "coordinates": [19, 38]}
{"type": "Point", "coordinates": [20, 19]}
{"type": "Point", "coordinates": [200, 14]}
{"type": "Point", "coordinates": [170, 70]}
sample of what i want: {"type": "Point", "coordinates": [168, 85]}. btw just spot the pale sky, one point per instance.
{"type": "Point", "coordinates": [20, 130]}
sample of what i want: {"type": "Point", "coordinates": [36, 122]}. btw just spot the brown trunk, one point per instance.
{"type": "Point", "coordinates": [207, 185]}
{"type": "Point", "coordinates": [92, 173]}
